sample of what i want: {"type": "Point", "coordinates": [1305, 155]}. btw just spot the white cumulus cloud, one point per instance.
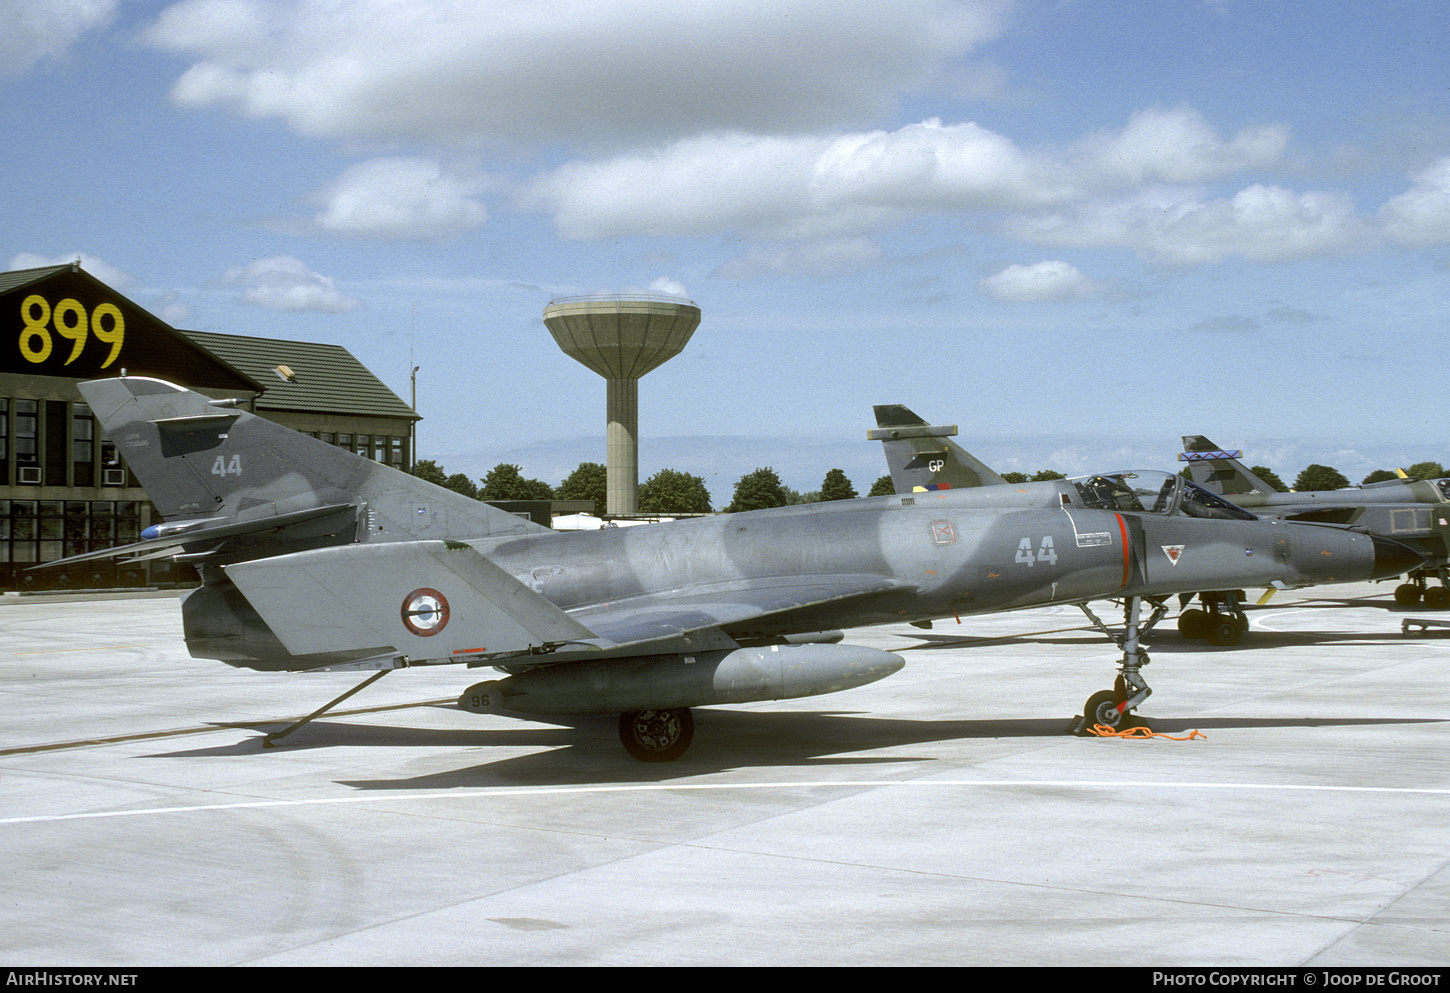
{"type": "Point", "coordinates": [1261, 223]}
{"type": "Point", "coordinates": [1421, 215]}
{"type": "Point", "coordinates": [401, 198]}
{"type": "Point", "coordinates": [519, 70]}
{"type": "Point", "coordinates": [281, 282]}
{"type": "Point", "coordinates": [1179, 146]}
{"type": "Point", "coordinates": [851, 184]}
{"type": "Point", "coordinates": [1039, 282]}
{"type": "Point", "coordinates": [41, 29]}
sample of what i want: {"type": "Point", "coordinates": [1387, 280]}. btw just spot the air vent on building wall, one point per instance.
{"type": "Point", "coordinates": [29, 475]}
{"type": "Point", "coordinates": [113, 477]}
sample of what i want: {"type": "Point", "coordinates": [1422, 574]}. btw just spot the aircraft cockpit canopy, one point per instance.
{"type": "Point", "coordinates": [1149, 491]}
{"type": "Point", "coordinates": [1444, 487]}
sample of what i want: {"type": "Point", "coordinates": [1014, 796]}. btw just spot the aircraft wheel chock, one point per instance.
{"type": "Point", "coordinates": [657, 735]}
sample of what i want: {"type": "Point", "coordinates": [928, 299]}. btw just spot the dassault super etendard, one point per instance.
{"type": "Point", "coordinates": [314, 558]}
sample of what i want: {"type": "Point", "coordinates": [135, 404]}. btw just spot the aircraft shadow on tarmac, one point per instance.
{"type": "Point", "coordinates": [585, 750]}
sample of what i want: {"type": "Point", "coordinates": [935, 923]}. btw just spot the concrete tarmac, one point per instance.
{"type": "Point", "coordinates": [939, 817]}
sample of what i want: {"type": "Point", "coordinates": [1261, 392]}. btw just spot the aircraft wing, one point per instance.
{"type": "Point", "coordinates": [685, 617]}
{"type": "Point", "coordinates": [456, 605]}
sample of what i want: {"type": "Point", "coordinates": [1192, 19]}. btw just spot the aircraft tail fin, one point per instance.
{"type": "Point", "coordinates": [1219, 471]}
{"type": "Point", "coordinates": [218, 473]}
{"type": "Point", "coordinates": [921, 456]}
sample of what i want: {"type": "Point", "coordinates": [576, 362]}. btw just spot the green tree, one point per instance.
{"type": "Point", "coordinates": [590, 481]}
{"type": "Point", "coordinates": [1426, 470]}
{"type": "Point", "coordinates": [1378, 476]}
{"type": "Point", "coordinates": [1271, 477]}
{"type": "Point", "coordinates": [1043, 475]}
{"type": "Point", "coordinates": [837, 487]}
{"type": "Point", "coordinates": [1319, 477]}
{"type": "Point", "coordinates": [430, 471]}
{"type": "Point", "coordinates": [758, 490]}
{"type": "Point", "coordinates": [1016, 477]}
{"type": "Point", "coordinates": [672, 492]}
{"type": "Point", "coordinates": [505, 481]}
{"type": "Point", "coordinates": [882, 487]}
{"type": "Point", "coordinates": [460, 483]}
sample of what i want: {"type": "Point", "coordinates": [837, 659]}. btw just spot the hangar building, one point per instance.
{"type": "Point", "coordinates": [64, 491]}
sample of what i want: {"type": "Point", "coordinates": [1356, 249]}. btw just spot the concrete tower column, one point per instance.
{"type": "Point", "coordinates": [622, 445]}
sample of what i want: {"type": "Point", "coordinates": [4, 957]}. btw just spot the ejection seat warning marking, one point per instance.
{"type": "Point", "coordinates": [425, 612]}
{"type": "Point", "coordinates": [1173, 552]}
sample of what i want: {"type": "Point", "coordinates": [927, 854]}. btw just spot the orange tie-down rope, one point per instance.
{"type": "Point", "coordinates": [1141, 731]}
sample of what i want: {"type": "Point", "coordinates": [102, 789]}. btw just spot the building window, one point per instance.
{"type": "Point", "coordinates": [4, 440]}
{"type": "Point", "coordinates": [83, 446]}
{"type": "Point", "coordinates": [27, 443]}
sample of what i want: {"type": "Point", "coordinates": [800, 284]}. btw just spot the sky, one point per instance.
{"type": "Point", "coordinates": [1077, 230]}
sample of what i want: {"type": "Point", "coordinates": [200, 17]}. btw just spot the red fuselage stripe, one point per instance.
{"type": "Point", "coordinates": [1123, 531]}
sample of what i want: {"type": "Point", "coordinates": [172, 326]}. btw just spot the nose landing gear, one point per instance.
{"type": "Point", "coordinates": [1113, 707]}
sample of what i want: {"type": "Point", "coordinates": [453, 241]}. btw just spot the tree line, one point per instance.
{"type": "Point", "coordinates": [670, 491]}
{"type": "Point", "coordinates": [1317, 477]}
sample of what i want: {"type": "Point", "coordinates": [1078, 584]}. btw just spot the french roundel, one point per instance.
{"type": "Point", "coordinates": [425, 612]}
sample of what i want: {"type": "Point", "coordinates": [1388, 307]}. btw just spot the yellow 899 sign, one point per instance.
{"type": "Point", "coordinates": [71, 322]}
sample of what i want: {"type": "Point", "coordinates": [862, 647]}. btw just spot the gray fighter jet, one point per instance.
{"type": "Point", "coordinates": [1414, 512]}
{"type": "Point", "coordinates": [314, 558]}
{"type": "Point", "coordinates": [923, 458]}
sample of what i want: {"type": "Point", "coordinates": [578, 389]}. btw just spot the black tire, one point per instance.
{"type": "Point", "coordinates": [1437, 598]}
{"type": "Point", "coordinates": [657, 735]}
{"type": "Point", "coordinates": [1102, 708]}
{"type": "Point", "coordinates": [1407, 594]}
{"type": "Point", "coordinates": [1193, 623]}
{"type": "Point", "coordinates": [1225, 631]}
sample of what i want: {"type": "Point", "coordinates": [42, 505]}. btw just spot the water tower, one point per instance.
{"type": "Point", "coordinates": [622, 338]}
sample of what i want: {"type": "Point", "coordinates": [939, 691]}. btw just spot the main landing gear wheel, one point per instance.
{"type": "Point", "coordinates": [1407, 594]}
{"type": "Point", "coordinates": [1223, 623]}
{"type": "Point", "coordinates": [1193, 623]}
{"type": "Point", "coordinates": [657, 735]}
{"type": "Point", "coordinates": [1227, 629]}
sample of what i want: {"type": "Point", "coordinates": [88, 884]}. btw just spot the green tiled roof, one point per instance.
{"type": "Point", "coordinates": [328, 378]}
{"type": "Point", "coordinates": [24, 277]}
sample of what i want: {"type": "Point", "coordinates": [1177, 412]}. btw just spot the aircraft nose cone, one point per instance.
{"type": "Point", "coordinates": [1394, 559]}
